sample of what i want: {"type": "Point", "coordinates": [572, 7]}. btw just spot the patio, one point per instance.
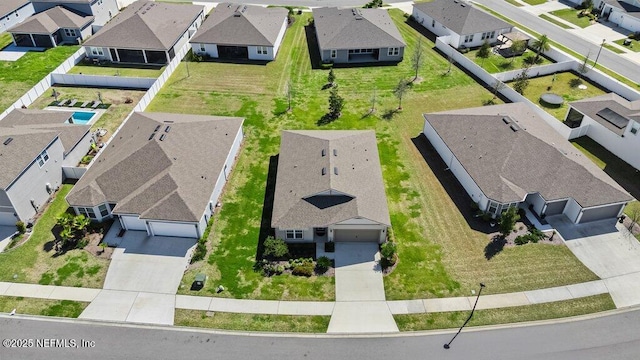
{"type": "Point", "coordinates": [13, 53]}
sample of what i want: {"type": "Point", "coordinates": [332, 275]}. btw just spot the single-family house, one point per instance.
{"type": "Point", "coordinates": [13, 12]}
{"type": "Point", "coordinates": [612, 121]}
{"type": "Point", "coordinates": [329, 187]}
{"type": "Point", "coordinates": [624, 13]}
{"type": "Point", "coordinates": [506, 156]}
{"type": "Point", "coordinates": [34, 147]}
{"type": "Point", "coordinates": [146, 32]}
{"type": "Point", "coordinates": [236, 31]}
{"type": "Point", "coordinates": [161, 173]}
{"type": "Point", "coordinates": [465, 25]}
{"type": "Point", "coordinates": [357, 36]}
{"type": "Point", "coordinates": [50, 28]}
{"type": "Point", "coordinates": [101, 10]}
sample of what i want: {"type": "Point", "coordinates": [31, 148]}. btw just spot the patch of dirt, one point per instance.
{"type": "Point", "coordinates": [521, 229]}
{"type": "Point", "coordinates": [94, 248]}
{"type": "Point", "coordinates": [635, 230]}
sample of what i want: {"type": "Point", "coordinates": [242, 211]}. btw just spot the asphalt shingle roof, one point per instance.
{"type": "Point", "coordinates": [613, 101]}
{"type": "Point", "coordinates": [355, 29]}
{"type": "Point", "coordinates": [7, 6]}
{"type": "Point", "coordinates": [51, 20]}
{"type": "Point", "coordinates": [243, 25]}
{"type": "Point", "coordinates": [32, 131]}
{"type": "Point", "coordinates": [461, 17]}
{"type": "Point", "coordinates": [357, 188]}
{"type": "Point", "coordinates": [146, 25]}
{"type": "Point", "coordinates": [508, 164]}
{"type": "Point", "coordinates": [169, 177]}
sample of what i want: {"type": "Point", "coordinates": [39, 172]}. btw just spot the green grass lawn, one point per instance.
{"type": "Point", "coordinates": [560, 309]}
{"type": "Point", "coordinates": [252, 322]}
{"type": "Point", "coordinates": [113, 116]}
{"type": "Point", "coordinates": [614, 49]}
{"type": "Point", "coordinates": [496, 63]}
{"type": "Point", "coordinates": [440, 254]}
{"type": "Point", "coordinates": [35, 261]}
{"type": "Point", "coordinates": [572, 16]}
{"type": "Point", "coordinates": [555, 21]}
{"type": "Point", "coordinates": [17, 77]}
{"type": "Point", "coordinates": [514, 3]}
{"type": "Point", "coordinates": [115, 70]}
{"type": "Point", "coordinates": [5, 40]}
{"type": "Point", "coordinates": [624, 174]}
{"type": "Point", "coordinates": [535, 2]}
{"type": "Point", "coordinates": [561, 86]}
{"type": "Point", "coordinates": [634, 46]}
{"type": "Point", "coordinates": [29, 306]}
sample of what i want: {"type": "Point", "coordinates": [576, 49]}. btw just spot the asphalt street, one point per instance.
{"type": "Point", "coordinates": [608, 59]}
{"type": "Point", "coordinates": [615, 336]}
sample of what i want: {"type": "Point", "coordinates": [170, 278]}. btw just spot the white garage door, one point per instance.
{"type": "Point", "coordinates": [173, 229]}
{"type": "Point", "coordinates": [7, 218]}
{"type": "Point", "coordinates": [133, 223]}
{"type": "Point", "coordinates": [357, 235]}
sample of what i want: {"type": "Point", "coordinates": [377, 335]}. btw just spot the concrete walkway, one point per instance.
{"type": "Point", "coordinates": [360, 300]}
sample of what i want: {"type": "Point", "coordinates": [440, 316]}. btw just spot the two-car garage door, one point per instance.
{"type": "Point", "coordinates": [356, 235]}
{"type": "Point", "coordinates": [173, 229]}
{"type": "Point", "coordinates": [601, 213]}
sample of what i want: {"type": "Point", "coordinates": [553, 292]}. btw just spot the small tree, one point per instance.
{"type": "Point", "coordinates": [374, 100]}
{"type": "Point", "coordinates": [521, 81]}
{"type": "Point", "coordinates": [484, 52]}
{"type": "Point", "coordinates": [276, 248]}
{"type": "Point", "coordinates": [634, 217]}
{"type": "Point", "coordinates": [400, 90]}
{"type": "Point", "coordinates": [584, 66]}
{"type": "Point", "coordinates": [388, 254]}
{"type": "Point", "coordinates": [517, 47]}
{"type": "Point", "coordinates": [331, 78]}
{"type": "Point", "coordinates": [417, 58]}
{"type": "Point", "coordinates": [508, 220]}
{"type": "Point", "coordinates": [21, 227]}
{"type": "Point", "coordinates": [80, 223]}
{"type": "Point", "coordinates": [336, 103]}
{"type": "Point", "coordinates": [540, 46]}
{"type": "Point", "coordinates": [289, 92]}
{"type": "Point", "coordinates": [497, 86]}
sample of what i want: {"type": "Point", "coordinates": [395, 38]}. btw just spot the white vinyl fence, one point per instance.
{"type": "Point", "coordinates": [103, 81]}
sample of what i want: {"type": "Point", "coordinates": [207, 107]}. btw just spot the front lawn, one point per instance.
{"type": "Point", "coordinates": [634, 46]}
{"type": "Point", "coordinates": [496, 63]}
{"type": "Point", "coordinates": [36, 261]}
{"type": "Point", "coordinates": [440, 254]}
{"type": "Point", "coordinates": [535, 2]}
{"type": "Point", "coordinates": [555, 21]}
{"type": "Point", "coordinates": [252, 322]}
{"type": "Point", "coordinates": [572, 16]}
{"type": "Point", "coordinates": [113, 116]}
{"type": "Point", "coordinates": [17, 77]}
{"type": "Point", "coordinates": [554, 310]}
{"type": "Point", "coordinates": [117, 70]}
{"type": "Point", "coordinates": [563, 84]}
{"type": "Point", "coordinates": [45, 307]}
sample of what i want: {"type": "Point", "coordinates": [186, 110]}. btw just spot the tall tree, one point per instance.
{"type": "Point", "coordinates": [484, 52]}
{"type": "Point", "coordinates": [540, 46]}
{"type": "Point", "coordinates": [417, 58]}
{"type": "Point", "coordinates": [336, 103]}
{"type": "Point", "coordinates": [400, 90]}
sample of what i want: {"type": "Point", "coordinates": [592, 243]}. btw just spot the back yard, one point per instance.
{"type": "Point", "coordinates": [440, 253]}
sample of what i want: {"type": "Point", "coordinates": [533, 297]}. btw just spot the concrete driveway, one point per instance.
{"type": "Point", "coordinates": [608, 250]}
{"type": "Point", "coordinates": [360, 299]}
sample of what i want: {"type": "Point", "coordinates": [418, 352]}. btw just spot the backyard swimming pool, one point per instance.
{"type": "Point", "coordinates": [82, 117]}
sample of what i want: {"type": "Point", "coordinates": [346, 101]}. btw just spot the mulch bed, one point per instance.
{"type": "Point", "coordinates": [636, 227]}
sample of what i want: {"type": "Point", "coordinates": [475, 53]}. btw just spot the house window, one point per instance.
{"type": "Point", "coordinates": [103, 210]}
{"type": "Point", "coordinates": [468, 38]}
{"type": "Point", "coordinates": [87, 211]}
{"type": "Point", "coordinates": [262, 50]}
{"type": "Point", "coordinates": [334, 54]}
{"type": "Point", "coordinates": [294, 234]}
{"type": "Point", "coordinates": [493, 35]}
{"type": "Point", "coordinates": [433, 23]}
{"type": "Point", "coordinates": [42, 158]}
{"type": "Point", "coordinates": [394, 51]}
{"type": "Point", "coordinates": [97, 51]}
{"type": "Point", "coordinates": [70, 32]}
{"type": "Point", "coordinates": [493, 207]}
{"type": "Point", "coordinates": [202, 48]}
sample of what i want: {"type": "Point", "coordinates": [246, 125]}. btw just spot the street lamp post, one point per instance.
{"type": "Point", "coordinates": [599, 51]}
{"type": "Point", "coordinates": [448, 345]}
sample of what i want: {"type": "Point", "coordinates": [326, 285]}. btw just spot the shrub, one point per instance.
{"type": "Point", "coordinates": [486, 217]}
{"type": "Point", "coordinates": [82, 243]}
{"type": "Point", "coordinates": [86, 159]}
{"type": "Point", "coordinates": [21, 227]}
{"type": "Point", "coordinates": [304, 270]}
{"type": "Point", "coordinates": [388, 252]}
{"type": "Point", "coordinates": [275, 248]}
{"type": "Point", "coordinates": [200, 251]}
{"type": "Point", "coordinates": [323, 264]}
{"type": "Point", "coordinates": [521, 240]}
{"type": "Point", "coordinates": [574, 83]}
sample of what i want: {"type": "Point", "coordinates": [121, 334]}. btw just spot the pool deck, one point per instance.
{"type": "Point", "coordinates": [99, 112]}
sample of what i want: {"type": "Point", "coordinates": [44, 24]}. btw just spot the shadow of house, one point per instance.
{"type": "Point", "coordinates": [312, 46]}
{"type": "Point", "coordinates": [451, 185]}
{"type": "Point", "coordinates": [267, 206]}
{"type": "Point", "coordinates": [421, 29]}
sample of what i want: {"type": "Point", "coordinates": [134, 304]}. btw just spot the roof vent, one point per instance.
{"type": "Point", "coordinates": [514, 127]}
{"type": "Point", "coordinates": [157, 128]}
{"type": "Point", "coordinates": [335, 170]}
{"type": "Point", "coordinates": [335, 152]}
{"type": "Point", "coordinates": [152, 135]}
{"type": "Point", "coordinates": [6, 142]}
{"type": "Point", "coordinates": [506, 120]}
{"type": "Point", "coordinates": [162, 137]}
{"type": "Point", "coordinates": [324, 171]}
{"type": "Point", "coordinates": [167, 129]}
{"type": "Point", "coordinates": [324, 152]}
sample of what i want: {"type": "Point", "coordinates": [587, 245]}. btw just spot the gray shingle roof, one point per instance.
{"type": "Point", "coordinates": [355, 29]}
{"type": "Point", "coordinates": [7, 6]}
{"type": "Point", "coordinates": [243, 25]}
{"type": "Point", "coordinates": [613, 101]}
{"type": "Point", "coordinates": [146, 25]}
{"type": "Point", "coordinates": [168, 179]}
{"type": "Point", "coordinates": [461, 17]}
{"type": "Point", "coordinates": [51, 20]}
{"type": "Point", "coordinates": [508, 164]}
{"type": "Point", "coordinates": [357, 189]}
{"type": "Point", "coordinates": [32, 131]}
